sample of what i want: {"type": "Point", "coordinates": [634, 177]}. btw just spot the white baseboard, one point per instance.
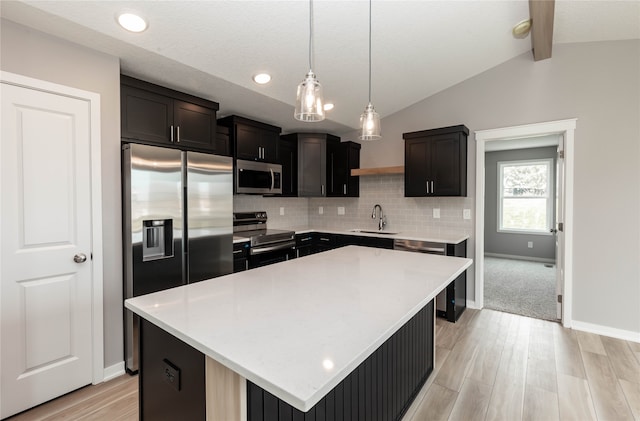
{"type": "Point", "coordinates": [514, 257]}
{"type": "Point", "coordinates": [113, 371]}
{"type": "Point", "coordinates": [472, 304]}
{"type": "Point", "coordinates": [627, 335]}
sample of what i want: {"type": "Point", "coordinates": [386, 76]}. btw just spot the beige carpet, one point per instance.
{"type": "Point", "coordinates": [520, 287]}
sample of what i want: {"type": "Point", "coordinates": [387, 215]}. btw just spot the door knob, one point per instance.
{"type": "Point", "coordinates": [80, 258]}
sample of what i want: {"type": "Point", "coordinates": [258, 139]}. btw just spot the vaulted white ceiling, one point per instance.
{"type": "Point", "coordinates": [213, 48]}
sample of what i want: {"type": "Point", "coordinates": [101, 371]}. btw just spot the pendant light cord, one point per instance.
{"type": "Point", "coordinates": [369, 51]}
{"type": "Point", "coordinates": [310, 35]}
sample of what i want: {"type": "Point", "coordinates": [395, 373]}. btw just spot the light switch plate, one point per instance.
{"type": "Point", "coordinates": [320, 210]}
{"type": "Point", "coordinates": [340, 210]}
{"type": "Point", "coordinates": [436, 213]}
{"type": "Point", "coordinates": [281, 211]}
{"type": "Point", "coordinates": [466, 214]}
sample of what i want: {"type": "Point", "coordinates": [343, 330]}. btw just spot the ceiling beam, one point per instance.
{"type": "Point", "coordinates": [541, 13]}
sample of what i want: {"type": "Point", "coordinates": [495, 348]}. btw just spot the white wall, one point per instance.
{"type": "Point", "coordinates": [597, 83]}
{"type": "Point", "coordinates": [31, 53]}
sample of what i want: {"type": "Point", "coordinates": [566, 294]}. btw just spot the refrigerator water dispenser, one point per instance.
{"type": "Point", "coordinates": [157, 239]}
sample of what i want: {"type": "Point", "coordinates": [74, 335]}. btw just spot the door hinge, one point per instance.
{"type": "Point", "coordinates": [561, 226]}
{"type": "Point", "coordinates": [561, 154]}
{"type": "Point", "coordinates": [560, 298]}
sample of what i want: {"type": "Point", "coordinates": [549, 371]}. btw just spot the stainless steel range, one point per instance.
{"type": "Point", "coordinates": [267, 246]}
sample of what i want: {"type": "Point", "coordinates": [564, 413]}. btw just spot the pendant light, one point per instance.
{"type": "Point", "coordinates": [309, 102]}
{"type": "Point", "coordinates": [370, 120]}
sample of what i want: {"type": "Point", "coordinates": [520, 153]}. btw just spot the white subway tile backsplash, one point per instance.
{"type": "Point", "coordinates": [404, 214]}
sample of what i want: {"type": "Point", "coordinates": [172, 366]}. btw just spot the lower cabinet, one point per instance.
{"type": "Point", "coordinates": [172, 377]}
{"type": "Point", "coordinates": [356, 240]}
{"type": "Point", "coordinates": [240, 256]}
{"type": "Point", "coordinates": [304, 244]}
{"type": "Point", "coordinates": [456, 291]}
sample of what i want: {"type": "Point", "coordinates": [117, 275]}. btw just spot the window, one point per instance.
{"type": "Point", "coordinates": [525, 199]}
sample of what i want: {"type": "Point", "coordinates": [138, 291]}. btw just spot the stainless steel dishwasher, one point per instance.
{"type": "Point", "coordinates": [428, 247]}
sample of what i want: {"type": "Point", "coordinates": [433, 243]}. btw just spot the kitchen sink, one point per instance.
{"type": "Point", "coordinates": [372, 232]}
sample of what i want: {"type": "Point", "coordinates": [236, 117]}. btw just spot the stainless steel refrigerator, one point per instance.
{"type": "Point", "coordinates": [177, 221]}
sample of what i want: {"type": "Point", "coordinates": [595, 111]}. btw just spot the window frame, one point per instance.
{"type": "Point", "coordinates": [550, 162]}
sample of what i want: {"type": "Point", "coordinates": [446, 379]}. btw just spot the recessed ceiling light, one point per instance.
{"type": "Point", "coordinates": [328, 106]}
{"type": "Point", "coordinates": [262, 78]}
{"type": "Point", "coordinates": [132, 22]}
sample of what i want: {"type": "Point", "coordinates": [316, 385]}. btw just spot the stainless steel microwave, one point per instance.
{"type": "Point", "coordinates": [258, 177]}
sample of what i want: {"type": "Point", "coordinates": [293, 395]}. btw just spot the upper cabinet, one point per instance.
{"type": "Point", "coordinates": [252, 140]}
{"type": "Point", "coordinates": [436, 162]}
{"type": "Point", "coordinates": [341, 159]}
{"type": "Point", "coordinates": [320, 165]}
{"type": "Point", "coordinates": [157, 115]}
{"type": "Point", "coordinates": [288, 154]}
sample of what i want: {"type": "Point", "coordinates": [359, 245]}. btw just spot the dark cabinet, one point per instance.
{"type": "Point", "coordinates": [324, 242]}
{"type": "Point", "coordinates": [436, 162]}
{"type": "Point", "coordinates": [341, 159]}
{"type": "Point", "coordinates": [304, 244]}
{"type": "Point", "coordinates": [288, 153]}
{"type": "Point", "coordinates": [240, 256]}
{"type": "Point", "coordinates": [172, 377]}
{"type": "Point", "coordinates": [157, 115]}
{"type": "Point", "coordinates": [356, 240]}
{"type": "Point", "coordinates": [252, 140]}
{"type": "Point", "coordinates": [456, 291]}
{"type": "Point", "coordinates": [312, 161]}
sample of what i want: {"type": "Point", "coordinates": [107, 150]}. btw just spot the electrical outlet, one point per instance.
{"type": "Point", "coordinates": [320, 210]}
{"type": "Point", "coordinates": [466, 214]}
{"type": "Point", "coordinates": [530, 244]}
{"type": "Point", "coordinates": [340, 210]}
{"type": "Point", "coordinates": [281, 211]}
{"type": "Point", "coordinates": [436, 213]}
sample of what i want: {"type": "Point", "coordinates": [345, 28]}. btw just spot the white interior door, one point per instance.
{"type": "Point", "coordinates": [46, 285]}
{"type": "Point", "coordinates": [559, 228]}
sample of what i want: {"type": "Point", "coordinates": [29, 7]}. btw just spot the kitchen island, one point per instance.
{"type": "Point", "coordinates": [282, 339]}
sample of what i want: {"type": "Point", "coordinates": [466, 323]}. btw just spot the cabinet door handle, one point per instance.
{"type": "Point", "coordinates": [322, 189]}
{"type": "Point", "coordinates": [172, 133]}
{"type": "Point", "coordinates": [344, 188]}
{"type": "Point", "coordinates": [237, 251]}
{"type": "Point", "coordinates": [324, 239]}
{"type": "Point", "coordinates": [427, 183]}
{"type": "Point", "coordinates": [178, 134]}
{"type": "Point", "coordinates": [432, 190]}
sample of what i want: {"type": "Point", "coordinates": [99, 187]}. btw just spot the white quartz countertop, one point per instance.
{"type": "Point", "coordinates": [298, 328]}
{"type": "Point", "coordinates": [447, 238]}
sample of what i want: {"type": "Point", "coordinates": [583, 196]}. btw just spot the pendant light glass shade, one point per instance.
{"type": "Point", "coordinates": [370, 119]}
{"type": "Point", "coordinates": [309, 103]}
{"type": "Point", "coordinates": [370, 124]}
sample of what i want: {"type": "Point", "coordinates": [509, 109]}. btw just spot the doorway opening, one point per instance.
{"type": "Point", "coordinates": [520, 247]}
{"type": "Point", "coordinates": [524, 204]}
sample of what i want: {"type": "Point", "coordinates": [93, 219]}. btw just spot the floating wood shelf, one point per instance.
{"type": "Point", "coordinates": [377, 171]}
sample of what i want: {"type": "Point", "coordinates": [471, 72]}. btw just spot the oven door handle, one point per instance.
{"type": "Point", "coordinates": [281, 246]}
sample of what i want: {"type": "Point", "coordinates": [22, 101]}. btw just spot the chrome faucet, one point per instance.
{"type": "Point", "coordinates": [383, 220]}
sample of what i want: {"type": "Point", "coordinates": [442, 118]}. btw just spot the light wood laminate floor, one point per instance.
{"type": "Point", "coordinates": [489, 366]}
